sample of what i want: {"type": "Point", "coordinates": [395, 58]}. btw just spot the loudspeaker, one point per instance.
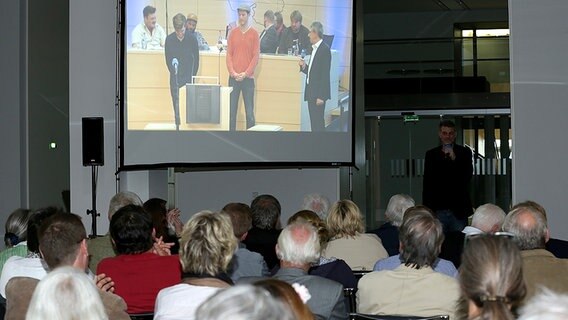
{"type": "Point", "coordinates": [93, 142]}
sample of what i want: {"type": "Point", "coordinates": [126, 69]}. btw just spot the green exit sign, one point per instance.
{"type": "Point", "coordinates": [411, 118]}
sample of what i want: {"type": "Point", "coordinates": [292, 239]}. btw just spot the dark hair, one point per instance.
{"type": "Point", "coordinates": [131, 230]}
{"type": "Point", "coordinates": [265, 211]}
{"type": "Point", "coordinates": [148, 10]}
{"type": "Point", "coordinates": [241, 217]}
{"type": "Point", "coordinates": [447, 124]}
{"type": "Point", "coordinates": [34, 225]}
{"type": "Point", "coordinates": [278, 17]}
{"type": "Point", "coordinates": [421, 237]}
{"type": "Point", "coordinates": [178, 21]}
{"type": "Point", "coordinates": [60, 237]}
{"type": "Point", "coordinates": [156, 207]}
{"type": "Point", "coordinates": [269, 14]}
{"type": "Point", "coordinates": [296, 16]}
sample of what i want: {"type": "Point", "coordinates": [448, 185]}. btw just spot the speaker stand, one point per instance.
{"type": "Point", "coordinates": [93, 212]}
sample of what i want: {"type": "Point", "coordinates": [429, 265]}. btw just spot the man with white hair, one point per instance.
{"type": "Point", "coordinates": [388, 232]}
{"type": "Point", "coordinates": [297, 248]}
{"type": "Point", "coordinates": [547, 305]}
{"type": "Point", "coordinates": [540, 267]}
{"type": "Point", "coordinates": [317, 203]}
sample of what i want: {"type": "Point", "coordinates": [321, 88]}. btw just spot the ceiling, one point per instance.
{"type": "Point", "coordinates": [392, 6]}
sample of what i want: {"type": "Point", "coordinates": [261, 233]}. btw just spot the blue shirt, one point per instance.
{"type": "Point", "coordinates": [440, 265]}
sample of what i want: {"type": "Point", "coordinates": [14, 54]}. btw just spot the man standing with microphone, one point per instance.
{"type": "Point", "coordinates": [447, 174]}
{"type": "Point", "coordinates": [182, 60]}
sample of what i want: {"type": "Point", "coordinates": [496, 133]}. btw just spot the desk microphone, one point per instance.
{"type": "Point", "coordinates": [175, 63]}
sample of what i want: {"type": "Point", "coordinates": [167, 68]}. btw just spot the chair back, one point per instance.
{"type": "Point", "coordinates": [142, 316]}
{"type": "Point", "coordinates": [361, 316]}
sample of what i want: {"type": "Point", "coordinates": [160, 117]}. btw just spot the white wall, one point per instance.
{"type": "Point", "coordinates": [539, 95]}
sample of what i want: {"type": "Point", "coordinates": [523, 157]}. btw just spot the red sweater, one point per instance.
{"type": "Point", "coordinates": [139, 277]}
{"type": "Point", "coordinates": [243, 50]}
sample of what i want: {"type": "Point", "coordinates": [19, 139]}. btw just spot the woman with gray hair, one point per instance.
{"type": "Point", "coordinates": [16, 236]}
{"type": "Point", "coordinates": [388, 232]}
{"type": "Point", "coordinates": [207, 246]}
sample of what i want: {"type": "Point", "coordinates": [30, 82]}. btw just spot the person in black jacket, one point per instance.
{"type": "Point", "coordinates": [317, 71]}
{"type": "Point", "coordinates": [268, 36]}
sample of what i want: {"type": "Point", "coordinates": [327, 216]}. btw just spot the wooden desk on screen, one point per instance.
{"type": "Point", "coordinates": [278, 92]}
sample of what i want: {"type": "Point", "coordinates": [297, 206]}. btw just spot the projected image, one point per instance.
{"type": "Point", "coordinates": [237, 66]}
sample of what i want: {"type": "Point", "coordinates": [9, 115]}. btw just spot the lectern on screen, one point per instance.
{"type": "Point", "coordinates": [214, 129]}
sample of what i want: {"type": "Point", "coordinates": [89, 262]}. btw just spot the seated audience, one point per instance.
{"type": "Point", "coordinates": [298, 247]}
{"type": "Point", "coordinates": [62, 241]}
{"type": "Point", "coordinates": [15, 236]}
{"type": "Point", "coordinates": [388, 232]}
{"type": "Point", "coordinates": [348, 242]}
{"type": "Point", "coordinates": [317, 203]}
{"type": "Point", "coordinates": [32, 265]}
{"type": "Point", "coordinates": [66, 294]}
{"type": "Point", "coordinates": [245, 263]}
{"type": "Point", "coordinates": [491, 277]}
{"type": "Point", "coordinates": [540, 267]}
{"type": "Point", "coordinates": [206, 249]}
{"type": "Point", "coordinates": [440, 265]}
{"type": "Point", "coordinates": [547, 305]}
{"type": "Point", "coordinates": [141, 269]}
{"type": "Point", "coordinates": [333, 269]}
{"type": "Point", "coordinates": [101, 247]}
{"type": "Point", "coordinates": [167, 224]}
{"type": "Point", "coordinates": [243, 302]}
{"type": "Point", "coordinates": [290, 296]}
{"type": "Point", "coordinates": [414, 288]}
{"type": "Point", "coordinates": [263, 235]}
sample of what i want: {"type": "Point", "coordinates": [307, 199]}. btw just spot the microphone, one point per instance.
{"type": "Point", "coordinates": [175, 64]}
{"type": "Point", "coordinates": [303, 54]}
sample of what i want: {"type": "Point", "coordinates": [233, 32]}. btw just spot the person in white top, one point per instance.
{"type": "Point", "coordinates": [148, 34]}
{"type": "Point", "coordinates": [486, 218]}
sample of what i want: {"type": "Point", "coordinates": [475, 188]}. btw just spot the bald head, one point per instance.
{"type": "Point", "coordinates": [298, 244]}
{"type": "Point", "coordinates": [529, 227]}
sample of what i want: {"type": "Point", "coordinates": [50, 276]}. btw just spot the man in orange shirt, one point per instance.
{"type": "Point", "coordinates": [243, 49]}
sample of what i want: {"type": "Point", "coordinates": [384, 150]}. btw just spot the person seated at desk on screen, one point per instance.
{"type": "Point", "coordinates": [296, 32]}
{"type": "Point", "coordinates": [190, 26]}
{"type": "Point", "coordinates": [148, 34]}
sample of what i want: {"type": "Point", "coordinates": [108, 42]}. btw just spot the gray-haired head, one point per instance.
{"type": "Point", "coordinates": [17, 227]}
{"type": "Point", "coordinates": [317, 27]}
{"type": "Point", "coordinates": [421, 237]}
{"type": "Point", "coordinates": [546, 305]}
{"type": "Point", "coordinates": [529, 227]}
{"type": "Point", "coordinates": [396, 207]}
{"type": "Point", "coordinates": [317, 203]}
{"type": "Point", "coordinates": [122, 199]}
{"type": "Point", "coordinates": [265, 211]}
{"type": "Point", "coordinates": [488, 218]}
{"type": "Point", "coordinates": [298, 244]}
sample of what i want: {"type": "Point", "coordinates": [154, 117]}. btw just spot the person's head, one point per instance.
{"type": "Point", "coordinates": [179, 25]}
{"type": "Point", "coordinates": [530, 204]}
{"type": "Point", "coordinates": [63, 241]}
{"type": "Point", "coordinates": [243, 12]}
{"type": "Point", "coordinates": [285, 293]}
{"type": "Point", "coordinates": [66, 294]}
{"type": "Point", "coordinates": [546, 305]}
{"type": "Point", "coordinates": [191, 22]}
{"type": "Point", "coordinates": [529, 227]}
{"type": "Point", "coordinates": [268, 18]}
{"type": "Point", "coordinates": [298, 245]}
{"type": "Point", "coordinates": [34, 224]}
{"type": "Point", "coordinates": [265, 211]}
{"type": "Point", "coordinates": [491, 277]}
{"type": "Point", "coordinates": [295, 21]}
{"type": "Point", "coordinates": [122, 199]}
{"type": "Point", "coordinates": [17, 227]}
{"type": "Point", "coordinates": [207, 243]}
{"type": "Point", "coordinates": [317, 203]}
{"type": "Point", "coordinates": [156, 207]}
{"type": "Point", "coordinates": [278, 19]}
{"type": "Point", "coordinates": [312, 218]}
{"type": "Point", "coordinates": [149, 17]}
{"type": "Point", "coordinates": [243, 302]}
{"type": "Point", "coordinates": [241, 218]}
{"type": "Point", "coordinates": [488, 218]}
{"type": "Point", "coordinates": [421, 237]}
{"type": "Point", "coordinates": [316, 32]}
{"type": "Point", "coordinates": [396, 207]}
{"type": "Point", "coordinates": [131, 230]}
{"type": "Point", "coordinates": [447, 131]}
{"type": "Point", "coordinates": [345, 219]}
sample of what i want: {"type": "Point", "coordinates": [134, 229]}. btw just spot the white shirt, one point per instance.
{"type": "Point", "coordinates": [21, 267]}
{"type": "Point", "coordinates": [180, 302]}
{"type": "Point", "coordinates": [314, 50]}
{"type": "Point", "coordinates": [142, 38]}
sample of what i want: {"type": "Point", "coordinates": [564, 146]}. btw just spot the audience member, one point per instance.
{"type": "Point", "coordinates": [206, 249]}
{"type": "Point", "coordinates": [101, 247]}
{"type": "Point", "coordinates": [540, 267]}
{"type": "Point", "coordinates": [62, 241]}
{"type": "Point", "coordinates": [167, 224]}
{"type": "Point", "coordinates": [317, 203]}
{"type": "Point", "coordinates": [388, 232]}
{"type": "Point", "coordinates": [66, 294]}
{"type": "Point", "coordinates": [245, 263]}
{"type": "Point", "coordinates": [243, 302]}
{"type": "Point", "coordinates": [32, 265]}
{"type": "Point", "coordinates": [547, 305]}
{"type": "Point", "coordinates": [296, 33]}
{"type": "Point", "coordinates": [360, 250]}
{"type": "Point", "coordinates": [16, 236]}
{"type": "Point", "coordinates": [289, 295]}
{"type": "Point", "coordinates": [491, 277]}
{"type": "Point", "coordinates": [141, 269]}
{"type": "Point", "coordinates": [413, 288]}
{"type": "Point", "coordinates": [440, 265]}
{"type": "Point", "coordinates": [268, 36]}
{"type": "Point", "coordinates": [263, 235]}
{"type": "Point", "coordinates": [298, 247]}
{"type": "Point", "coordinates": [148, 34]}
{"type": "Point", "coordinates": [191, 26]}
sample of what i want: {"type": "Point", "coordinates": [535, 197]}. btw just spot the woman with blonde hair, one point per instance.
{"type": "Point", "coordinates": [289, 295]}
{"type": "Point", "coordinates": [348, 240]}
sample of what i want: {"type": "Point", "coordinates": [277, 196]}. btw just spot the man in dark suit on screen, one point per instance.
{"type": "Point", "coordinates": [317, 69]}
{"type": "Point", "coordinates": [268, 37]}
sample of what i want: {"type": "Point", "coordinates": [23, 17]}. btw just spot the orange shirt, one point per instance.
{"type": "Point", "coordinates": [243, 49]}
